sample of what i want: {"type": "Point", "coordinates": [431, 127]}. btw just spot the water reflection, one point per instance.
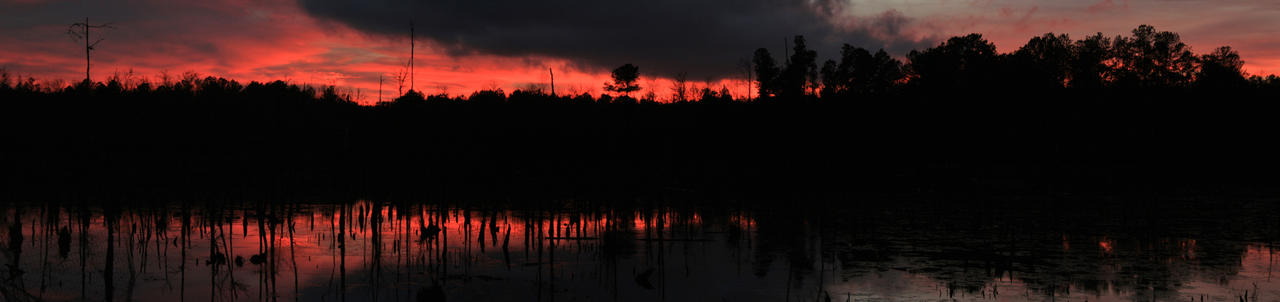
{"type": "Point", "coordinates": [377, 251]}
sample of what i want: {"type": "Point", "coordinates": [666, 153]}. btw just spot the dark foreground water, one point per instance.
{"type": "Point", "coordinates": [1100, 250]}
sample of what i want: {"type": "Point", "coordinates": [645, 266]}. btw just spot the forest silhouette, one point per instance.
{"type": "Point", "coordinates": [1099, 114]}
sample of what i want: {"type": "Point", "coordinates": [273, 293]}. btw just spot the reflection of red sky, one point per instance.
{"type": "Point", "coordinates": [318, 242]}
{"type": "Point", "coordinates": [317, 259]}
{"type": "Point", "coordinates": [311, 259]}
{"type": "Point", "coordinates": [1107, 245]}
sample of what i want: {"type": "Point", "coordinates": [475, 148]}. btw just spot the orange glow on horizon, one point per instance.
{"type": "Point", "coordinates": [279, 41]}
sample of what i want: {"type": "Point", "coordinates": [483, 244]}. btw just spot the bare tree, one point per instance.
{"type": "Point", "coordinates": [190, 80]}
{"type": "Point", "coordinates": [680, 87]}
{"type": "Point", "coordinates": [400, 76]}
{"type": "Point", "coordinates": [576, 90]}
{"type": "Point", "coordinates": [411, 74]}
{"type": "Point", "coordinates": [55, 84]}
{"type": "Point", "coordinates": [746, 68]}
{"type": "Point", "coordinates": [706, 91]}
{"type": "Point", "coordinates": [130, 82]}
{"type": "Point", "coordinates": [444, 90]}
{"type": "Point", "coordinates": [651, 93]}
{"type": "Point", "coordinates": [81, 31]}
{"type": "Point", "coordinates": [4, 78]}
{"type": "Point", "coordinates": [538, 88]}
{"type": "Point", "coordinates": [165, 78]}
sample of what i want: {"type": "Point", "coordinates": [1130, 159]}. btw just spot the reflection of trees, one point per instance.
{"type": "Point", "coordinates": [1129, 251]}
{"type": "Point", "coordinates": [374, 248]}
{"type": "Point", "coordinates": [781, 234]}
{"type": "Point", "coordinates": [12, 287]}
{"type": "Point", "coordinates": [1132, 250]}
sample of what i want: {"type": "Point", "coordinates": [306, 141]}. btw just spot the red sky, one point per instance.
{"type": "Point", "coordinates": [277, 39]}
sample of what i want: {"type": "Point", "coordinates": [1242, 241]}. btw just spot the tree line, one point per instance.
{"type": "Point", "coordinates": [1058, 113]}
{"type": "Point", "coordinates": [1146, 59]}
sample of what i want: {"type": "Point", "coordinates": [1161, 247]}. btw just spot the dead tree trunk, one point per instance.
{"type": "Point", "coordinates": [82, 31]}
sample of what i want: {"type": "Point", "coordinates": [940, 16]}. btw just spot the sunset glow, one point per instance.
{"type": "Point", "coordinates": [270, 40]}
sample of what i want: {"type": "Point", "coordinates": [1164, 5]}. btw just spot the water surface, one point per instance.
{"type": "Point", "coordinates": [650, 251]}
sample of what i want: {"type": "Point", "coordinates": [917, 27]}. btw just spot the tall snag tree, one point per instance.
{"type": "Point", "coordinates": [82, 31]}
{"type": "Point", "coordinates": [624, 80]}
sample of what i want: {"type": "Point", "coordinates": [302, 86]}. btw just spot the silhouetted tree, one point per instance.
{"type": "Point", "coordinates": [708, 95]}
{"type": "Point", "coordinates": [748, 76]}
{"type": "Point", "coordinates": [1268, 82]}
{"type": "Point", "coordinates": [605, 99]}
{"type": "Point", "coordinates": [624, 80]}
{"type": "Point", "coordinates": [411, 98]}
{"type": "Point", "coordinates": [650, 96]}
{"type": "Point", "coordinates": [839, 78]}
{"type": "Point", "coordinates": [725, 94]}
{"type": "Point", "coordinates": [4, 79]}
{"type": "Point", "coordinates": [1151, 58]}
{"type": "Point", "coordinates": [83, 31]}
{"type": "Point", "coordinates": [401, 76]}
{"type": "Point", "coordinates": [767, 73]}
{"type": "Point", "coordinates": [488, 97]}
{"type": "Point", "coordinates": [412, 80]}
{"type": "Point", "coordinates": [680, 87]}
{"type": "Point", "coordinates": [801, 72]}
{"type": "Point", "coordinates": [832, 79]}
{"type": "Point", "coordinates": [967, 61]}
{"type": "Point", "coordinates": [212, 87]}
{"type": "Point", "coordinates": [1090, 62]}
{"type": "Point", "coordinates": [706, 88]}
{"type": "Point", "coordinates": [330, 94]}
{"type": "Point", "coordinates": [860, 73]}
{"type": "Point", "coordinates": [886, 73]}
{"type": "Point", "coordinates": [1044, 62]}
{"type": "Point", "coordinates": [1221, 68]}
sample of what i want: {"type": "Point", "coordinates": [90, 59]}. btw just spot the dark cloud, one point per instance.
{"type": "Point", "coordinates": [702, 37]}
{"type": "Point", "coordinates": [146, 34]}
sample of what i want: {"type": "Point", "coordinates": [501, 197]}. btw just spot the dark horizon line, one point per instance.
{"type": "Point", "coordinates": [908, 70]}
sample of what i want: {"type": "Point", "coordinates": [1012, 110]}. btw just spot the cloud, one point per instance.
{"type": "Point", "coordinates": [244, 40]}
{"type": "Point", "coordinates": [1106, 5]}
{"type": "Point", "coordinates": [463, 46]}
{"type": "Point", "coordinates": [702, 37]}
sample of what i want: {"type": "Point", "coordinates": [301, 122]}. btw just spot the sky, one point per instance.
{"type": "Point", "coordinates": [467, 45]}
